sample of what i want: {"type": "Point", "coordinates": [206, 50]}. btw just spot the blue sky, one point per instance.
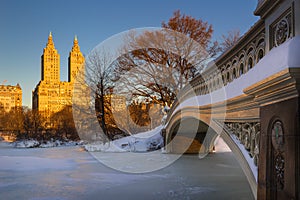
{"type": "Point", "coordinates": [25, 26]}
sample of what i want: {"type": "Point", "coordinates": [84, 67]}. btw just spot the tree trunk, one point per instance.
{"type": "Point", "coordinates": [102, 108]}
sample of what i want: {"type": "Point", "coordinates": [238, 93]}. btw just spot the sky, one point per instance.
{"type": "Point", "coordinates": [25, 26]}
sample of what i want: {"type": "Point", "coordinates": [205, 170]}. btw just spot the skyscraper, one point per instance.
{"type": "Point", "coordinates": [51, 94]}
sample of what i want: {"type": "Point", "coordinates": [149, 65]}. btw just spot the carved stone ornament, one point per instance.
{"type": "Point", "coordinates": [282, 31]}
{"type": "Point", "coordinates": [279, 171]}
{"type": "Point", "coordinates": [248, 134]}
{"type": "Point", "coordinates": [277, 136]}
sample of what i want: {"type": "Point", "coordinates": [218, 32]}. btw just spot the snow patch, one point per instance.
{"type": "Point", "coordinates": [99, 146]}
{"type": "Point", "coordinates": [141, 142]}
{"type": "Point", "coordinates": [26, 144]}
{"type": "Point", "coordinates": [221, 146]}
{"type": "Point", "coordinates": [46, 144]}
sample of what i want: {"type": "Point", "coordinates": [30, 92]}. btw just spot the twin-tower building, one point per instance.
{"type": "Point", "coordinates": [51, 94]}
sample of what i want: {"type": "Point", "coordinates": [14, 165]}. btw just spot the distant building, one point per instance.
{"type": "Point", "coordinates": [117, 102]}
{"type": "Point", "coordinates": [51, 95]}
{"type": "Point", "coordinates": [10, 97]}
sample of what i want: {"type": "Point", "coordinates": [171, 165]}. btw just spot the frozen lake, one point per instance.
{"type": "Point", "coordinates": [71, 173]}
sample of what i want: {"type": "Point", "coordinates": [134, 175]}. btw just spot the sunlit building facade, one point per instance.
{"type": "Point", "coordinates": [51, 94]}
{"type": "Point", "coordinates": [10, 97]}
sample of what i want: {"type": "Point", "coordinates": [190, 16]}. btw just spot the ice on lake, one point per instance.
{"type": "Point", "coordinates": [66, 173]}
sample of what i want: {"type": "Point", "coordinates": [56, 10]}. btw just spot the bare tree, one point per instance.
{"type": "Point", "coordinates": [2, 117]}
{"type": "Point", "coordinates": [64, 124]}
{"type": "Point", "coordinates": [11, 122]}
{"type": "Point", "coordinates": [33, 124]}
{"type": "Point", "coordinates": [138, 117]}
{"type": "Point", "coordinates": [157, 64]}
{"type": "Point", "coordinates": [125, 123]}
{"type": "Point", "coordinates": [99, 75]}
{"type": "Point", "coordinates": [15, 120]}
{"type": "Point", "coordinates": [229, 40]}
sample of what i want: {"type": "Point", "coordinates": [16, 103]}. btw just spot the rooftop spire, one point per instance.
{"type": "Point", "coordinates": [75, 44]}
{"type": "Point", "coordinates": [50, 41]}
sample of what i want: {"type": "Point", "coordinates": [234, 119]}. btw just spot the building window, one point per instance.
{"type": "Point", "coordinates": [250, 63]}
{"type": "Point", "coordinates": [228, 77]}
{"type": "Point", "coordinates": [241, 69]}
{"type": "Point", "coordinates": [260, 55]}
{"type": "Point", "coordinates": [234, 73]}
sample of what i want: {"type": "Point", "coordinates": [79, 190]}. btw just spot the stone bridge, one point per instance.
{"type": "Point", "coordinates": [250, 97]}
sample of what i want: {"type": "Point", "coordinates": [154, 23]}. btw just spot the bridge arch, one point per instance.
{"type": "Point", "coordinates": [187, 135]}
{"type": "Point", "coordinates": [191, 119]}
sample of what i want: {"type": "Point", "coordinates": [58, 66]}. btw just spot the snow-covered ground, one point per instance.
{"type": "Point", "coordinates": [30, 143]}
{"type": "Point", "coordinates": [70, 173]}
{"type": "Point", "coordinates": [221, 146]}
{"type": "Point", "coordinates": [142, 142]}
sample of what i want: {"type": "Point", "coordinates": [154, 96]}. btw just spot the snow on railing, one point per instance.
{"type": "Point", "coordinates": [230, 65]}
